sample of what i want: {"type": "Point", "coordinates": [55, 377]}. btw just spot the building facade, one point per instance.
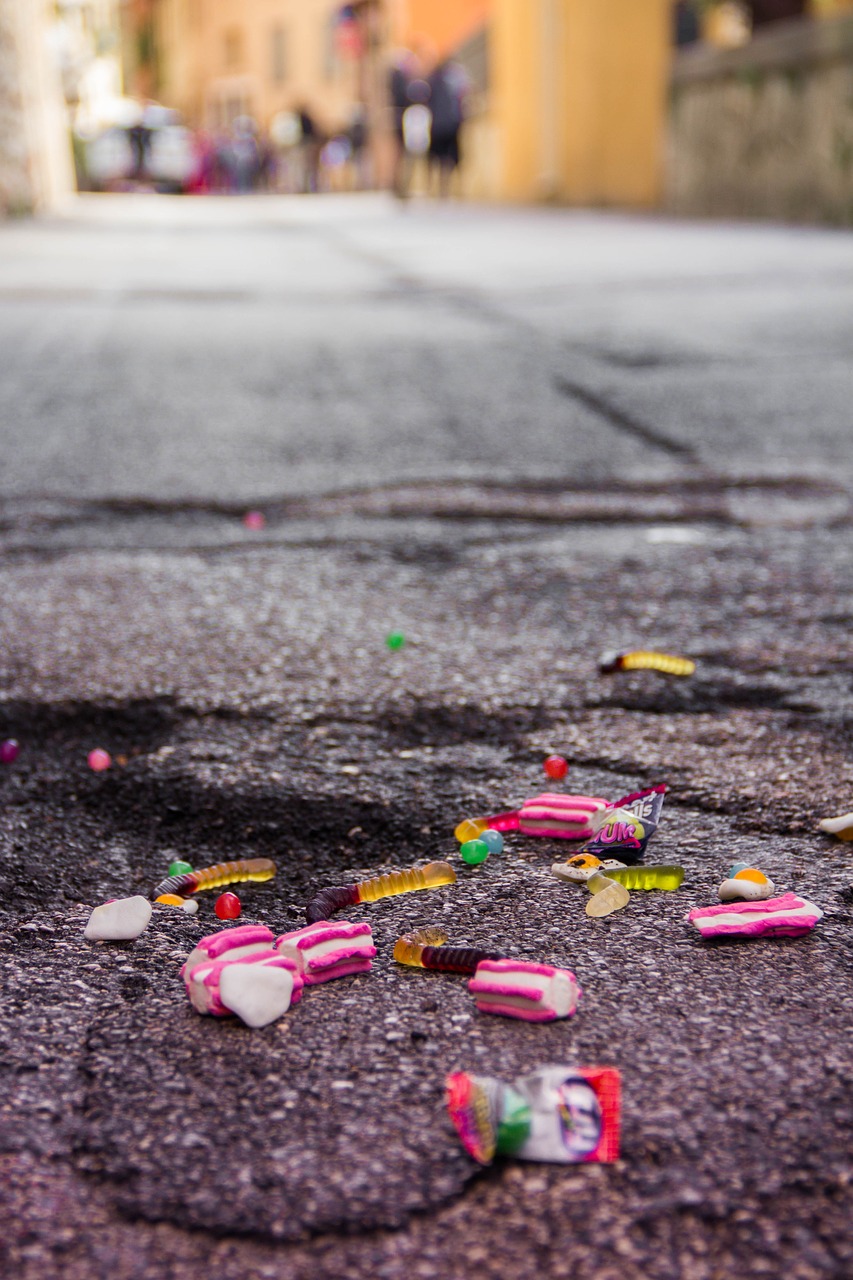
{"type": "Point", "coordinates": [217, 60]}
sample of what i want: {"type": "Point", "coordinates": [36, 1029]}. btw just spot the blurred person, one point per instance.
{"type": "Point", "coordinates": [139, 137]}
{"type": "Point", "coordinates": [449, 88]}
{"type": "Point", "coordinates": [686, 26]}
{"type": "Point", "coordinates": [357, 138]}
{"type": "Point", "coordinates": [286, 136]}
{"type": "Point", "coordinates": [205, 154]}
{"type": "Point", "coordinates": [407, 89]}
{"type": "Point", "coordinates": [223, 165]}
{"type": "Point", "coordinates": [244, 155]}
{"type": "Point", "coordinates": [311, 144]}
{"type": "Point", "coordinates": [267, 164]}
{"type": "Point", "coordinates": [334, 158]}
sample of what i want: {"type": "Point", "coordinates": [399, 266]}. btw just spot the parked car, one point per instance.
{"type": "Point", "coordinates": [150, 148]}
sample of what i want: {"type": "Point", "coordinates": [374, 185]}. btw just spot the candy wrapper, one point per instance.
{"type": "Point", "coordinates": [623, 829]}
{"type": "Point", "coordinates": [559, 1115]}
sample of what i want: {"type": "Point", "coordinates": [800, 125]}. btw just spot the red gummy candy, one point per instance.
{"type": "Point", "coordinates": [556, 767]}
{"type": "Point", "coordinates": [228, 906]}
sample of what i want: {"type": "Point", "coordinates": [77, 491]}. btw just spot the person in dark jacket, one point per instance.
{"type": "Point", "coordinates": [448, 91]}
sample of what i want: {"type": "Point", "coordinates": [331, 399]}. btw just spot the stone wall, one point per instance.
{"type": "Point", "coordinates": [35, 161]}
{"type": "Point", "coordinates": [766, 131]}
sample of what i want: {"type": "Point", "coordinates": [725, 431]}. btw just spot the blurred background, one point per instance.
{"type": "Point", "coordinates": [701, 107]}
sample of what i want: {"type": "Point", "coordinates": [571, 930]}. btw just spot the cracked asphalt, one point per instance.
{"type": "Point", "coordinates": [521, 438]}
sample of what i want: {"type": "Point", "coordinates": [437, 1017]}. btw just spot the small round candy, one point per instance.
{"type": "Point", "coordinates": [469, 829]}
{"type": "Point", "coordinates": [556, 767]}
{"type": "Point", "coordinates": [474, 851]}
{"type": "Point", "coordinates": [99, 760]}
{"type": "Point", "coordinates": [254, 520]}
{"type": "Point", "coordinates": [228, 906]}
{"type": "Point", "coordinates": [494, 840]}
{"type": "Point", "coordinates": [395, 641]}
{"type": "Point", "coordinates": [9, 751]}
{"type": "Point", "coordinates": [179, 868]}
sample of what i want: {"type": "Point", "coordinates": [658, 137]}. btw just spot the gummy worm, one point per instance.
{"type": "Point", "coordinates": [424, 950]}
{"type": "Point", "coordinates": [646, 660]}
{"type": "Point", "coordinates": [257, 869]}
{"type": "Point", "coordinates": [327, 901]}
{"type": "Point", "coordinates": [647, 877]}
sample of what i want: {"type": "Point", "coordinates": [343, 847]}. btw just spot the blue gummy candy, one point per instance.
{"type": "Point", "coordinates": [494, 840]}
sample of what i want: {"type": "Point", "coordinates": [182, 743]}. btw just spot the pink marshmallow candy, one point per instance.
{"type": "Point", "coordinates": [522, 989]}
{"type": "Point", "coordinates": [328, 949]}
{"type": "Point", "coordinates": [786, 916]}
{"type": "Point", "coordinates": [238, 971]}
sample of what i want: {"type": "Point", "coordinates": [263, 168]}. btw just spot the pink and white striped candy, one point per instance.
{"type": "Point", "coordinates": [329, 949]}
{"type": "Point", "coordinates": [566, 817]}
{"type": "Point", "coordinates": [786, 916]}
{"type": "Point", "coordinates": [233, 943]}
{"type": "Point", "coordinates": [522, 989]}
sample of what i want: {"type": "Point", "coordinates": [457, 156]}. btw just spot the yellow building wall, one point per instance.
{"type": "Point", "coordinates": [579, 99]}
{"type": "Point", "coordinates": [215, 54]}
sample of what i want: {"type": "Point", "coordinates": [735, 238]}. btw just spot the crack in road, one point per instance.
{"type": "Point", "coordinates": [627, 423]}
{"type": "Point", "coordinates": [32, 523]}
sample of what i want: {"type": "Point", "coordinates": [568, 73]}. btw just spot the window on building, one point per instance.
{"type": "Point", "coordinates": [278, 52]}
{"type": "Point", "coordinates": [233, 48]}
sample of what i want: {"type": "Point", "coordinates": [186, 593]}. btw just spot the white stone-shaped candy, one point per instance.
{"type": "Point", "coordinates": [118, 921]}
{"type": "Point", "coordinates": [257, 993]}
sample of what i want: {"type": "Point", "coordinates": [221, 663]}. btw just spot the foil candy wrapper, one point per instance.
{"type": "Point", "coordinates": [557, 1115]}
{"type": "Point", "coordinates": [624, 828]}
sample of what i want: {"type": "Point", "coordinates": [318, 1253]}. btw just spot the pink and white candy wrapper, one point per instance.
{"type": "Point", "coordinates": [786, 916]}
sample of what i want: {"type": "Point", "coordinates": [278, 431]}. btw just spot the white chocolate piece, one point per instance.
{"type": "Point", "coordinates": [257, 993]}
{"type": "Point", "coordinates": [118, 921]}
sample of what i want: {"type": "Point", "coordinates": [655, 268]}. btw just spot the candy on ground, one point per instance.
{"type": "Point", "coordinates": [118, 921]}
{"type": "Point", "coordinates": [228, 906]}
{"type": "Point", "coordinates": [786, 916]}
{"type": "Point", "coordinates": [522, 989]}
{"type": "Point", "coordinates": [556, 767]}
{"type": "Point", "coordinates": [328, 949]}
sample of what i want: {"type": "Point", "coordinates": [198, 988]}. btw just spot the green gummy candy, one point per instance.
{"type": "Point", "coordinates": [179, 868]}
{"type": "Point", "coordinates": [474, 851]}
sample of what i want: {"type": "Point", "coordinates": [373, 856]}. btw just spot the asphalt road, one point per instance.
{"type": "Point", "coordinates": [520, 437]}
